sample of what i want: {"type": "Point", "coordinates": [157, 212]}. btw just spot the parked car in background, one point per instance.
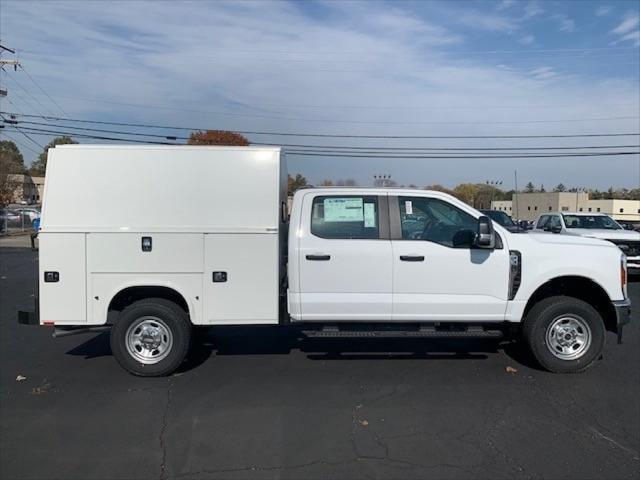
{"type": "Point", "coordinates": [630, 224]}
{"type": "Point", "coordinates": [504, 220]}
{"type": "Point", "coordinates": [595, 226]}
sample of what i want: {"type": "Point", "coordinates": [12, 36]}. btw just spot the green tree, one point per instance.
{"type": "Point", "coordinates": [542, 190]}
{"type": "Point", "coordinates": [294, 183]}
{"type": "Point", "coordinates": [529, 188]}
{"type": "Point", "coordinates": [9, 151]}
{"type": "Point", "coordinates": [560, 188]}
{"type": "Point", "coordinates": [326, 183]}
{"type": "Point", "coordinates": [39, 167]}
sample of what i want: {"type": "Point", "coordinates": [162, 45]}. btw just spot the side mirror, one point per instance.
{"type": "Point", "coordinates": [486, 237]}
{"type": "Point", "coordinates": [556, 229]}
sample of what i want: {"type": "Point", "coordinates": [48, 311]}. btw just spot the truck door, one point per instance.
{"type": "Point", "coordinates": [437, 272]}
{"type": "Point", "coordinates": [344, 258]}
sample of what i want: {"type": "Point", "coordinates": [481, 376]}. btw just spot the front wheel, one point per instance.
{"type": "Point", "coordinates": [565, 334]}
{"type": "Point", "coordinates": [151, 337]}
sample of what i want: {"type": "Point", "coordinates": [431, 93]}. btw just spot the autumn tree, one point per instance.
{"type": "Point", "coordinates": [9, 149]}
{"type": "Point", "coordinates": [294, 183]}
{"type": "Point", "coordinates": [39, 167]}
{"type": "Point", "coordinates": [9, 180]}
{"type": "Point", "coordinates": [467, 192]}
{"type": "Point", "coordinates": [217, 137]}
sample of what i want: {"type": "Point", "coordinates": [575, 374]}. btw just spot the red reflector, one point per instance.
{"type": "Point", "coordinates": [48, 323]}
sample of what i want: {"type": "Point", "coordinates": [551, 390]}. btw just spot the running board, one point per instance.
{"type": "Point", "coordinates": [425, 332]}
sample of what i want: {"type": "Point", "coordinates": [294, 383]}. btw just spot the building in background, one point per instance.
{"type": "Point", "coordinates": [618, 209]}
{"type": "Point", "coordinates": [28, 190]}
{"type": "Point", "coordinates": [529, 206]}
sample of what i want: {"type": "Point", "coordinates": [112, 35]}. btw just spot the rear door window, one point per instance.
{"type": "Point", "coordinates": [345, 217]}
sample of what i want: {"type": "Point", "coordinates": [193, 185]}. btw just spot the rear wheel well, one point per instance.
{"type": "Point", "coordinates": [582, 288]}
{"type": "Point", "coordinates": [129, 295]}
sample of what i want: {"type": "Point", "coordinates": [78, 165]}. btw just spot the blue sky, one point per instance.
{"type": "Point", "coordinates": [408, 68]}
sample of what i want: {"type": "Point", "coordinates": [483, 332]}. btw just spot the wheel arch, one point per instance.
{"type": "Point", "coordinates": [580, 287]}
{"type": "Point", "coordinates": [127, 294]}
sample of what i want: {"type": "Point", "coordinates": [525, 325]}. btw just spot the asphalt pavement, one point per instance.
{"type": "Point", "coordinates": [266, 403]}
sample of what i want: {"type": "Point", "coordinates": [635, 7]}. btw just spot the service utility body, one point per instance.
{"type": "Point", "coordinates": [151, 241]}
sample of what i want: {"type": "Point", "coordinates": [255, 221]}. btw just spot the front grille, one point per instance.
{"type": "Point", "coordinates": [630, 248]}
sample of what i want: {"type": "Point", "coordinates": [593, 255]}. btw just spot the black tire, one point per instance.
{"type": "Point", "coordinates": [548, 312]}
{"type": "Point", "coordinates": [174, 322]}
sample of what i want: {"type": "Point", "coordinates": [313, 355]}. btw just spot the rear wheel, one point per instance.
{"type": "Point", "coordinates": [565, 334]}
{"type": "Point", "coordinates": [151, 337]}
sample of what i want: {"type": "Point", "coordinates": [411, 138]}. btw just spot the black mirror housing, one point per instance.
{"type": "Point", "coordinates": [486, 237]}
{"type": "Point", "coordinates": [556, 229]}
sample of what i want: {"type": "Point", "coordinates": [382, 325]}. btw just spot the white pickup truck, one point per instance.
{"type": "Point", "coordinates": [150, 241]}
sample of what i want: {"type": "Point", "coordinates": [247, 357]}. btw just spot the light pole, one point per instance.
{"type": "Point", "coordinates": [493, 185]}
{"type": "Point", "coordinates": [578, 191]}
{"type": "Point", "coordinates": [381, 180]}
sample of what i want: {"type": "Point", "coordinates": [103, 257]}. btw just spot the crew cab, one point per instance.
{"type": "Point", "coordinates": [594, 225]}
{"type": "Point", "coordinates": [171, 237]}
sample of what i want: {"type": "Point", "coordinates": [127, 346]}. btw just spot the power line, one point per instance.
{"type": "Point", "coordinates": [42, 90]}
{"type": "Point", "coordinates": [329, 147]}
{"type": "Point", "coordinates": [374, 154]}
{"type": "Point", "coordinates": [80, 135]}
{"type": "Point", "coordinates": [320, 135]}
{"type": "Point", "coordinates": [27, 147]}
{"type": "Point", "coordinates": [358, 149]}
{"type": "Point", "coordinates": [45, 109]}
{"type": "Point", "coordinates": [554, 155]}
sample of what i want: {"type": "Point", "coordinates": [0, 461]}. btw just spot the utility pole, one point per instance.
{"type": "Point", "coordinates": [15, 63]}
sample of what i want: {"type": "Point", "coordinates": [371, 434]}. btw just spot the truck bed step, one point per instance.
{"type": "Point", "coordinates": [418, 333]}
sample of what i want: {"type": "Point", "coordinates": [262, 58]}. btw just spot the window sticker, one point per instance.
{"type": "Point", "coordinates": [369, 215]}
{"type": "Point", "coordinates": [343, 209]}
{"type": "Point", "coordinates": [408, 207]}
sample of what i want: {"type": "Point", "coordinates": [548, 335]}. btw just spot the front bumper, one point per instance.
{"type": "Point", "coordinates": [623, 315]}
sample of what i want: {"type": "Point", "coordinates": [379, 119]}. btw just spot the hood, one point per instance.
{"type": "Point", "coordinates": [605, 234]}
{"type": "Point", "coordinates": [559, 239]}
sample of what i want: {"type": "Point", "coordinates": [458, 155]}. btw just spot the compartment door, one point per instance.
{"type": "Point", "coordinates": [241, 278]}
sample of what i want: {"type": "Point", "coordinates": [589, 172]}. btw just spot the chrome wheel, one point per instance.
{"type": "Point", "coordinates": [568, 337]}
{"type": "Point", "coordinates": [149, 340]}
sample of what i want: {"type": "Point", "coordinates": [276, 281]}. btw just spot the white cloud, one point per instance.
{"type": "Point", "coordinates": [565, 24]}
{"type": "Point", "coordinates": [532, 9]}
{"type": "Point", "coordinates": [542, 73]}
{"type": "Point", "coordinates": [504, 4]}
{"type": "Point", "coordinates": [485, 21]}
{"type": "Point", "coordinates": [603, 10]}
{"type": "Point", "coordinates": [627, 30]}
{"type": "Point", "coordinates": [630, 22]}
{"type": "Point", "coordinates": [526, 39]}
{"type": "Point", "coordinates": [369, 68]}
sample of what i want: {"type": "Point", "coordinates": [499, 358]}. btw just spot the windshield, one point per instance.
{"type": "Point", "coordinates": [500, 217]}
{"type": "Point", "coordinates": [591, 221]}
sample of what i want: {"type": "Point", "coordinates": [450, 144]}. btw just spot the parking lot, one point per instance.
{"type": "Point", "coordinates": [267, 403]}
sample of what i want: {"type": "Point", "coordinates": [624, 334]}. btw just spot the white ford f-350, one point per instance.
{"type": "Point", "coordinates": [149, 241]}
